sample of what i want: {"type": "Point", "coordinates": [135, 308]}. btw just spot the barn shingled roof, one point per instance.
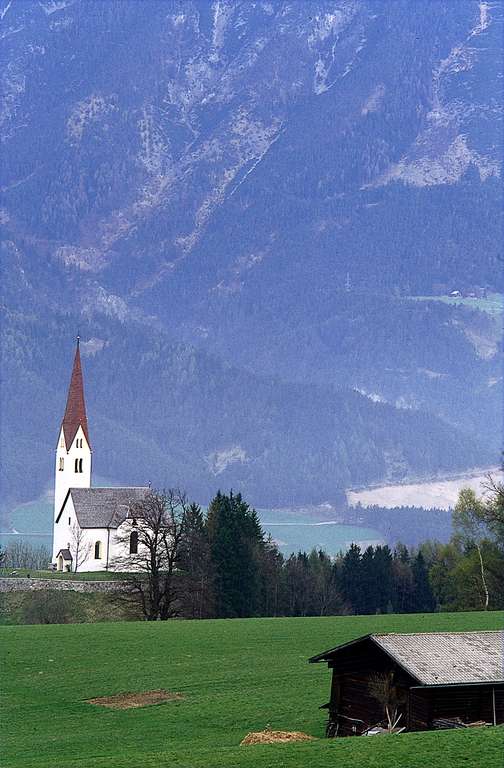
{"type": "Point", "coordinates": [104, 507]}
{"type": "Point", "coordinates": [441, 658]}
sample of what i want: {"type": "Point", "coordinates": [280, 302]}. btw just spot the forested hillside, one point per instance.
{"type": "Point", "coordinates": [236, 203]}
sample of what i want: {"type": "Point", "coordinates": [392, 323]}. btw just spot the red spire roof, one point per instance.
{"type": "Point", "coordinates": [75, 411]}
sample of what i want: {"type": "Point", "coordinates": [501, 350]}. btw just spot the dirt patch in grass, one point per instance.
{"type": "Point", "coordinates": [275, 737]}
{"type": "Point", "coordinates": [131, 700]}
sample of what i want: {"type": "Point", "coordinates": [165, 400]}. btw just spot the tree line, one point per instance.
{"type": "Point", "coordinates": [222, 565]}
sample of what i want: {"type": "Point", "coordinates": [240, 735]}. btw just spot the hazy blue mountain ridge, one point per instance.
{"type": "Point", "coordinates": [234, 202]}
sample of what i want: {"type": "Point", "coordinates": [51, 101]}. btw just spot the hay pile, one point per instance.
{"type": "Point", "coordinates": [133, 700]}
{"type": "Point", "coordinates": [275, 737]}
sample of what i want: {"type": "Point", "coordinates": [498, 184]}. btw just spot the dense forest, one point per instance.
{"type": "Point", "coordinates": [200, 421]}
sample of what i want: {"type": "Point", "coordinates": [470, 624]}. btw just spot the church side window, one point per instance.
{"type": "Point", "coordinates": [98, 550]}
{"type": "Point", "coordinates": [61, 464]}
{"type": "Point", "coordinates": [133, 543]}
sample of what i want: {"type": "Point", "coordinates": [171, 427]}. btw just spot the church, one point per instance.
{"type": "Point", "coordinates": [87, 520]}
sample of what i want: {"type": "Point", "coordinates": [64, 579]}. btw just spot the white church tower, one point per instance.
{"type": "Point", "coordinates": [73, 452]}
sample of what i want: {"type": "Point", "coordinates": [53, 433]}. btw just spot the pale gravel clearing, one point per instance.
{"type": "Point", "coordinates": [437, 493]}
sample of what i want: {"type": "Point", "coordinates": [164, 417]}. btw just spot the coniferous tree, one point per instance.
{"type": "Point", "coordinates": [402, 579]}
{"type": "Point", "coordinates": [270, 564]}
{"type": "Point", "coordinates": [423, 598]}
{"type": "Point", "coordinates": [299, 581]}
{"type": "Point", "coordinates": [383, 578]}
{"type": "Point", "coordinates": [235, 539]}
{"type": "Point", "coordinates": [325, 598]}
{"type": "Point", "coordinates": [351, 578]}
{"type": "Point", "coordinates": [195, 573]}
{"type": "Point", "coordinates": [370, 588]}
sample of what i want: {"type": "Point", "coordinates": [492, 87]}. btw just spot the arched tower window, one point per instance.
{"type": "Point", "coordinates": [61, 464]}
{"type": "Point", "coordinates": [78, 465]}
{"type": "Point", "coordinates": [133, 543]}
{"type": "Point", "coordinates": [98, 550]}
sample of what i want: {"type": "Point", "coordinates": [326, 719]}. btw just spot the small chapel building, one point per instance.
{"type": "Point", "coordinates": [92, 527]}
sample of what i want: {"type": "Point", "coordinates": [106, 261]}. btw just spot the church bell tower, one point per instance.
{"type": "Point", "coordinates": [73, 452]}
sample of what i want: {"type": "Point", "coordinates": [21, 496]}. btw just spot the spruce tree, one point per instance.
{"type": "Point", "coordinates": [369, 598]}
{"type": "Point", "coordinates": [351, 578]}
{"type": "Point", "coordinates": [383, 576]}
{"type": "Point", "coordinates": [235, 539]}
{"type": "Point", "coordinates": [423, 597]}
{"type": "Point", "coordinates": [195, 582]}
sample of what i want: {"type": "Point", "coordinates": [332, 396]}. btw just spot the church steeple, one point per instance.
{"type": "Point", "coordinates": [75, 411]}
{"type": "Point", "coordinates": [73, 453]}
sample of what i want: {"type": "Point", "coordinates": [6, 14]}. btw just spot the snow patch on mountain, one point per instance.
{"type": "Point", "coordinates": [375, 397]}
{"type": "Point", "coordinates": [4, 10]}
{"type": "Point", "coordinates": [154, 145]}
{"type": "Point", "coordinates": [374, 100]}
{"type": "Point", "coordinates": [86, 259]}
{"type": "Point", "coordinates": [52, 6]}
{"type": "Point", "coordinates": [13, 84]}
{"type": "Point", "coordinates": [100, 301]}
{"type": "Point", "coordinates": [447, 168]}
{"type": "Point", "coordinates": [222, 13]}
{"type": "Point", "coordinates": [87, 111]}
{"type": "Point", "coordinates": [484, 18]}
{"type": "Point", "coordinates": [219, 461]}
{"type": "Point", "coordinates": [326, 25]}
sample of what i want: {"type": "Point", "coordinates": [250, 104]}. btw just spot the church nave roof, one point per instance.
{"type": "Point", "coordinates": [103, 507]}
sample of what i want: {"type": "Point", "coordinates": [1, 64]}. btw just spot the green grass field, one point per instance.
{"type": "Point", "coordinates": [492, 305]}
{"type": "Point", "coordinates": [17, 573]}
{"type": "Point", "coordinates": [236, 676]}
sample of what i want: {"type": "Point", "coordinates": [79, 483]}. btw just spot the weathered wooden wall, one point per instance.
{"type": "Point", "coordinates": [353, 706]}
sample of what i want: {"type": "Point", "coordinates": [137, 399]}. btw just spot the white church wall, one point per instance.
{"type": "Point", "coordinates": [104, 537]}
{"type": "Point", "coordinates": [65, 538]}
{"type": "Point", "coordinates": [66, 475]}
{"type": "Point", "coordinates": [62, 530]}
{"type": "Point", "coordinates": [121, 546]}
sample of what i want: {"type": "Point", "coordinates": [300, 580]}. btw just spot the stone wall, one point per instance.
{"type": "Point", "coordinates": [22, 584]}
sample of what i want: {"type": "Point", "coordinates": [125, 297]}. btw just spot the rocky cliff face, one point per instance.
{"type": "Point", "coordinates": [268, 182]}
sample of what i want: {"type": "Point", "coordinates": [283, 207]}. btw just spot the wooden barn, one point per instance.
{"type": "Point", "coordinates": [415, 682]}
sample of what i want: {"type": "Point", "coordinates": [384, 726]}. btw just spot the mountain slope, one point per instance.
{"type": "Point", "coordinates": [163, 412]}
{"type": "Point", "coordinates": [256, 191]}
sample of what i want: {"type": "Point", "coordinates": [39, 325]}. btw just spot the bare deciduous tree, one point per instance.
{"type": "Point", "coordinates": [383, 688]}
{"type": "Point", "coordinates": [156, 526]}
{"type": "Point", "coordinates": [21, 554]}
{"type": "Point", "coordinates": [79, 546]}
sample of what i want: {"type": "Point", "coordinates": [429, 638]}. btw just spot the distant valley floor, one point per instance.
{"type": "Point", "coordinates": [321, 526]}
{"type": "Point", "coordinates": [440, 493]}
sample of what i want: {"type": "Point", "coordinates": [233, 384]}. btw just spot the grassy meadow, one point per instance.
{"type": "Point", "coordinates": [235, 676]}
{"type": "Point", "coordinates": [493, 304]}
